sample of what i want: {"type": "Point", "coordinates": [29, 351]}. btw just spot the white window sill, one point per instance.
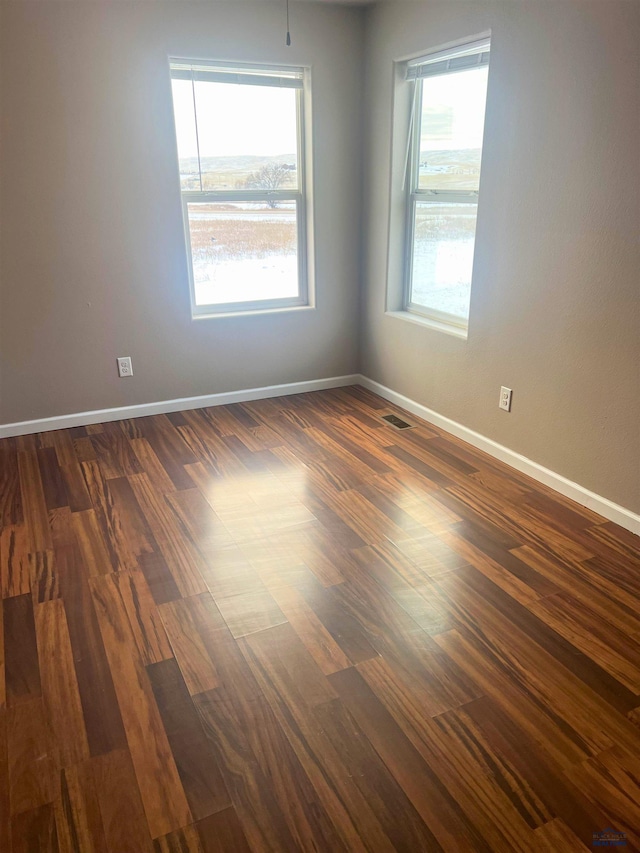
{"type": "Point", "coordinates": [436, 325]}
{"type": "Point", "coordinates": [253, 312]}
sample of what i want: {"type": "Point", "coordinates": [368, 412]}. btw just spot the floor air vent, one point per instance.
{"type": "Point", "coordinates": [398, 423]}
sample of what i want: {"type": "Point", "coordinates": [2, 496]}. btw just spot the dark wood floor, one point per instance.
{"type": "Point", "coordinates": [286, 625]}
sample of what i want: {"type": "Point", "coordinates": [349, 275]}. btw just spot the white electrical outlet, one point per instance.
{"type": "Point", "coordinates": [505, 398]}
{"type": "Point", "coordinates": [125, 368]}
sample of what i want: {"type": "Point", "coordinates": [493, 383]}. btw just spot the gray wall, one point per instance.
{"type": "Point", "coordinates": [92, 261]}
{"type": "Point", "coordinates": [555, 307]}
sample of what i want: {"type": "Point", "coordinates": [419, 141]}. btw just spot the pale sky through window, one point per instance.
{"type": "Point", "coordinates": [453, 110]}
{"type": "Point", "coordinates": [235, 120]}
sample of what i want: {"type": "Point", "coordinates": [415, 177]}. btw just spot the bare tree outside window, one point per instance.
{"type": "Point", "coordinates": [272, 176]}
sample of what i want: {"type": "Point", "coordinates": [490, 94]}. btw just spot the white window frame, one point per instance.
{"type": "Point", "coordinates": [240, 73]}
{"type": "Point", "coordinates": [463, 56]}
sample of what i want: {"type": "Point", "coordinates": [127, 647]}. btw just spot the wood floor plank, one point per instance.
{"type": "Point", "coordinates": [438, 808]}
{"type": "Point", "coordinates": [78, 817]}
{"type": "Point", "coordinates": [123, 526]}
{"type": "Point", "coordinates": [298, 676]}
{"type": "Point", "coordinates": [252, 611]}
{"type": "Point", "coordinates": [315, 637]}
{"type": "Point", "coordinates": [315, 548]}
{"type": "Point", "coordinates": [537, 768]}
{"type": "Point", "coordinates": [159, 579]}
{"type": "Point", "coordinates": [121, 809]}
{"type": "Point", "coordinates": [252, 795]}
{"type": "Point", "coordinates": [514, 586]}
{"type": "Point", "coordinates": [617, 653]}
{"type": "Point", "coordinates": [626, 581]}
{"type": "Point", "coordinates": [32, 761]}
{"type": "Point", "coordinates": [352, 813]}
{"type": "Point", "coordinates": [91, 542]}
{"type": "Point", "coordinates": [114, 453]}
{"type": "Point", "coordinates": [3, 685]}
{"type": "Point", "coordinates": [183, 559]}
{"type": "Point", "coordinates": [566, 745]}
{"type": "Point", "coordinates": [136, 604]}
{"type": "Point", "coordinates": [182, 620]}
{"type": "Point", "coordinates": [11, 511]}
{"type": "Point", "coordinates": [398, 639]}
{"type": "Point", "coordinates": [102, 717]}
{"type": "Point", "coordinates": [5, 800]}
{"type": "Point", "coordinates": [43, 574]}
{"type": "Point", "coordinates": [35, 830]}
{"type": "Point", "coordinates": [171, 450]}
{"type": "Point", "coordinates": [455, 762]}
{"type": "Point", "coordinates": [252, 748]}
{"type": "Point", "coordinates": [346, 631]}
{"type": "Point", "coordinates": [184, 840]}
{"type": "Point", "coordinates": [196, 762]}
{"type": "Point", "coordinates": [62, 441]}
{"type": "Point", "coordinates": [521, 525]}
{"type": "Point", "coordinates": [222, 832]}
{"type": "Point", "coordinates": [230, 570]}
{"type": "Point", "coordinates": [608, 600]}
{"type": "Point", "coordinates": [14, 561]}
{"type": "Point", "coordinates": [55, 492]}
{"type": "Point", "coordinates": [584, 713]}
{"type": "Point", "coordinates": [430, 474]}
{"type": "Point", "coordinates": [411, 587]}
{"type": "Point", "coordinates": [554, 642]}
{"type": "Point", "coordinates": [84, 449]}
{"type": "Point", "coordinates": [335, 527]}
{"type": "Point", "coordinates": [152, 466]}
{"type": "Point", "coordinates": [34, 504]}
{"type": "Point", "coordinates": [613, 789]}
{"type": "Point", "coordinates": [22, 670]}
{"type": "Point", "coordinates": [59, 683]}
{"type": "Point", "coordinates": [614, 538]}
{"type": "Point", "coordinates": [76, 487]}
{"type": "Point", "coordinates": [202, 523]}
{"type": "Point", "coordinates": [541, 585]}
{"type": "Point", "coordinates": [556, 835]}
{"type": "Point", "coordinates": [398, 817]}
{"type": "Point", "coordinates": [161, 790]}
{"type": "Point", "coordinates": [211, 461]}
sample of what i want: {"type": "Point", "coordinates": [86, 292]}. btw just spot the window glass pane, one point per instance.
{"type": "Point", "coordinates": [451, 130]}
{"type": "Point", "coordinates": [444, 236]}
{"type": "Point", "coordinates": [186, 134]}
{"type": "Point", "coordinates": [243, 251]}
{"type": "Point", "coordinates": [247, 135]}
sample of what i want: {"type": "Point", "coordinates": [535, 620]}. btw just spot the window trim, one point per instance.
{"type": "Point", "coordinates": [301, 196]}
{"type": "Point", "coordinates": [441, 57]}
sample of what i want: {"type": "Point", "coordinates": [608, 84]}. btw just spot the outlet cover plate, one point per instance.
{"type": "Point", "coordinates": [505, 398]}
{"type": "Point", "coordinates": [125, 368]}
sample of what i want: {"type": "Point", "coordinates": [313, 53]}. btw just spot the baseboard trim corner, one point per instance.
{"type": "Point", "coordinates": [603, 506]}
{"type": "Point", "coordinates": [181, 404]}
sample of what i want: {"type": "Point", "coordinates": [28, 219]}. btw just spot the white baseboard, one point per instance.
{"type": "Point", "coordinates": [180, 405]}
{"type": "Point", "coordinates": [610, 510]}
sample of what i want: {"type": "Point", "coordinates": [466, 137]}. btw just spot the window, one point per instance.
{"type": "Point", "coordinates": [241, 153]}
{"type": "Point", "coordinates": [443, 173]}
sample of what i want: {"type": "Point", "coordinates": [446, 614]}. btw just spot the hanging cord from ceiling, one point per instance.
{"type": "Point", "coordinates": [288, 33]}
